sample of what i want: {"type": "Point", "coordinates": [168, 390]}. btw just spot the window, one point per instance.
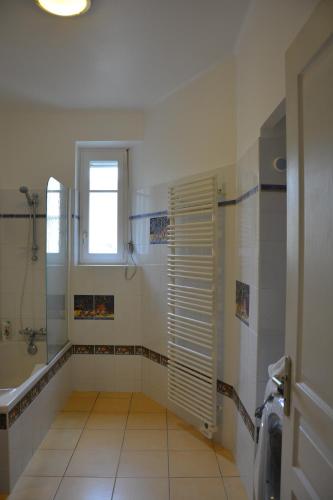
{"type": "Point", "coordinates": [53, 216]}
{"type": "Point", "coordinates": [103, 178]}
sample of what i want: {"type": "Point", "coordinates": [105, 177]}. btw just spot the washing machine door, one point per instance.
{"type": "Point", "coordinates": [273, 458]}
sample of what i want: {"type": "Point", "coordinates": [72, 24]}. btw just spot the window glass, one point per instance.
{"type": "Point", "coordinates": [103, 222]}
{"type": "Point", "coordinates": [103, 176]}
{"type": "Point", "coordinates": [53, 216]}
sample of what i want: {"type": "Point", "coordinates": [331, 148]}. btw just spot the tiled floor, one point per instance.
{"type": "Point", "coordinates": [124, 446]}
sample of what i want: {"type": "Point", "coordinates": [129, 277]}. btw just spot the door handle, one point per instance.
{"type": "Point", "coordinates": [284, 385]}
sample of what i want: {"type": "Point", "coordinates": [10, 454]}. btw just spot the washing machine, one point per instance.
{"type": "Point", "coordinates": [267, 470]}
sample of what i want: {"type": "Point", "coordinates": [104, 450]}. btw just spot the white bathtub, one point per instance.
{"type": "Point", "coordinates": [31, 393]}
{"type": "Point", "coordinates": [16, 364]}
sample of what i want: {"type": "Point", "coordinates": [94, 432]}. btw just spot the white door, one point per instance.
{"type": "Point", "coordinates": [307, 457]}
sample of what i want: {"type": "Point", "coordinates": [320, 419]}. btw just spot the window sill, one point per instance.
{"type": "Point", "coordinates": [104, 265]}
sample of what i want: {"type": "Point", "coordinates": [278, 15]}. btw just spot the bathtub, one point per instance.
{"type": "Point", "coordinates": [17, 365]}
{"type": "Point", "coordinates": [31, 393]}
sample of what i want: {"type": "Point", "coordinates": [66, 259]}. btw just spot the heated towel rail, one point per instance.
{"type": "Point", "coordinates": [191, 299]}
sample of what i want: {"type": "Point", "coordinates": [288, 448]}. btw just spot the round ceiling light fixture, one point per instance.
{"type": "Point", "coordinates": [64, 8]}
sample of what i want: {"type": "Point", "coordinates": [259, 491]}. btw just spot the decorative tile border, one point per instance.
{"type": "Point", "coordinates": [135, 350]}
{"type": "Point", "coordinates": [7, 420]}
{"type": "Point", "coordinates": [125, 350]}
{"type": "Point", "coordinates": [104, 349]}
{"type": "Point", "coordinates": [84, 349]}
{"type": "Point", "coordinates": [3, 421]}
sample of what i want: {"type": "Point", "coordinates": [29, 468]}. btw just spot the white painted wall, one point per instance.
{"type": "Point", "coordinates": [37, 144]}
{"type": "Point", "coordinates": [190, 132]}
{"type": "Point", "coordinates": [270, 27]}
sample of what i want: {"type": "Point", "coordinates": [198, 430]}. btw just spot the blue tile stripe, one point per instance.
{"type": "Point", "coordinates": [148, 214]}
{"type": "Point", "coordinates": [274, 187]}
{"type": "Point", "coordinates": [270, 188]}
{"type": "Point", "coordinates": [21, 216]}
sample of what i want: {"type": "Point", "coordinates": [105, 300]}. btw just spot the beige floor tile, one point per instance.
{"type": "Point", "coordinates": [175, 422]}
{"type": "Point", "coordinates": [197, 489]}
{"type": "Point", "coordinates": [189, 439]}
{"type": "Point", "coordinates": [106, 421]}
{"type": "Point", "coordinates": [235, 488]}
{"type": "Point", "coordinates": [85, 394]}
{"type": "Point", "coordinates": [109, 405]}
{"type": "Point", "coordinates": [143, 404]}
{"type": "Point", "coordinates": [60, 439]}
{"type": "Point", "coordinates": [85, 488]}
{"type": "Point", "coordinates": [70, 420]}
{"type": "Point", "coordinates": [95, 439]}
{"type": "Point", "coordinates": [93, 463]}
{"type": "Point", "coordinates": [76, 403]}
{"type": "Point", "coordinates": [48, 463]}
{"type": "Point", "coordinates": [226, 462]}
{"type": "Point", "coordinates": [138, 395]}
{"type": "Point", "coordinates": [115, 395]}
{"type": "Point", "coordinates": [145, 440]}
{"type": "Point", "coordinates": [143, 464]}
{"type": "Point", "coordinates": [193, 464]}
{"type": "Point", "coordinates": [146, 421]}
{"type": "Point", "coordinates": [35, 488]}
{"type": "Point", "coordinates": [141, 489]}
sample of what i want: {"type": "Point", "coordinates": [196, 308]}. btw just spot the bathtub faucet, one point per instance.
{"type": "Point", "coordinates": [30, 335]}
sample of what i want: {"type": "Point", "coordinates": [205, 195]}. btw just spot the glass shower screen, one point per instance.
{"type": "Point", "coordinates": [56, 266]}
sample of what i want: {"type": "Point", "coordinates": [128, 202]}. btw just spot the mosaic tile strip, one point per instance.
{"type": "Point", "coordinates": [164, 360]}
{"type": "Point", "coordinates": [230, 392]}
{"type": "Point", "coordinates": [155, 356]}
{"type": "Point", "coordinates": [3, 421]}
{"type": "Point", "coordinates": [136, 350]}
{"type": "Point", "coordinates": [104, 349]}
{"type": "Point", "coordinates": [83, 349]}
{"type": "Point", "coordinates": [29, 397]}
{"type": "Point", "coordinates": [224, 388]}
{"type": "Point", "coordinates": [124, 350]}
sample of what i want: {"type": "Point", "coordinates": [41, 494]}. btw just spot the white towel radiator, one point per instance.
{"type": "Point", "coordinates": [191, 299]}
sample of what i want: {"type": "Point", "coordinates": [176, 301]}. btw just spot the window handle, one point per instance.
{"type": "Point", "coordinates": [84, 237]}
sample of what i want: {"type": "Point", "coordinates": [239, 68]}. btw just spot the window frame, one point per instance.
{"type": "Point", "coordinates": [86, 156]}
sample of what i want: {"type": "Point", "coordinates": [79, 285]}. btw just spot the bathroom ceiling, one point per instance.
{"type": "Point", "coordinates": [121, 54]}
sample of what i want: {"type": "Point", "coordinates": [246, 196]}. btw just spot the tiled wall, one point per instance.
{"type": "Point", "coordinates": [247, 271]}
{"type": "Point", "coordinates": [272, 262]}
{"type": "Point", "coordinates": [14, 254]}
{"type": "Point", "coordinates": [150, 203]}
{"type": "Point", "coordinates": [95, 371]}
{"type": "Point", "coordinates": [260, 247]}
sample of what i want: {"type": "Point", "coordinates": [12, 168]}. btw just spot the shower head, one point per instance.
{"type": "Point", "coordinates": [25, 190]}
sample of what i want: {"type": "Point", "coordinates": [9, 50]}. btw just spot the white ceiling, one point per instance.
{"type": "Point", "coordinates": [121, 54]}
